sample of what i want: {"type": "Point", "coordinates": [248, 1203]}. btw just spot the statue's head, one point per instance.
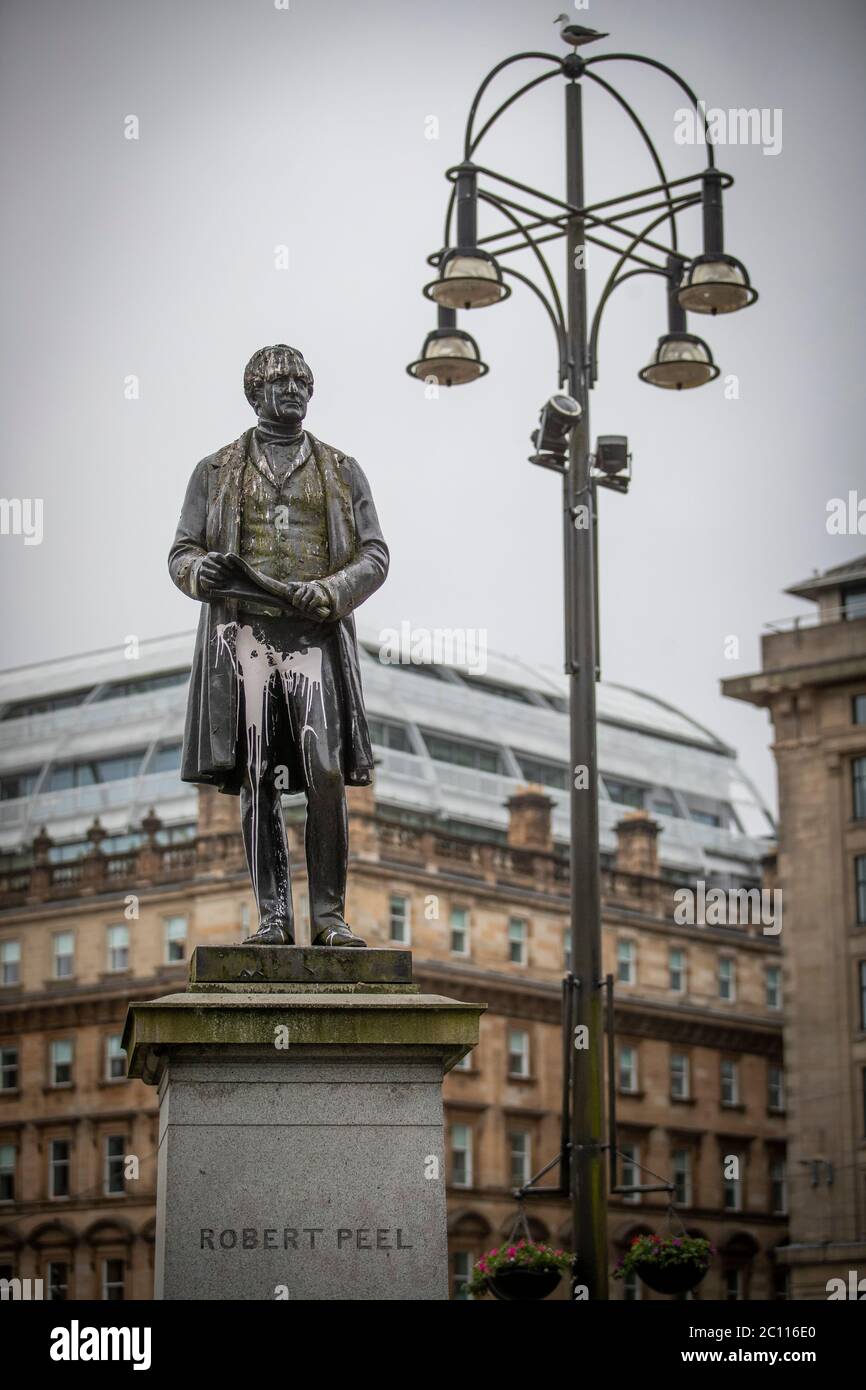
{"type": "Point", "coordinates": [278, 383]}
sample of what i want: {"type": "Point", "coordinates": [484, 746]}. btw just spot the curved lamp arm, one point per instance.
{"type": "Point", "coordinates": [596, 322]}
{"type": "Point", "coordinates": [506, 62]}
{"type": "Point", "coordinates": [470, 144]}
{"type": "Point", "coordinates": [554, 290]}
{"type": "Point", "coordinates": [612, 279]}
{"type": "Point", "coordinates": [641, 237]}
{"type": "Point", "coordinates": [560, 340]}
{"type": "Point", "coordinates": [515, 96]}
{"type": "Point", "coordinates": [654, 154]}
{"type": "Point", "coordinates": [662, 67]}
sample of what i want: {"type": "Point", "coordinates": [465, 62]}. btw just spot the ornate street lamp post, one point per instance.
{"type": "Point", "coordinates": [470, 276]}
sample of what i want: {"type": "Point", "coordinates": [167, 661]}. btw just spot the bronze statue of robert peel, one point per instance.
{"type": "Point", "coordinates": [279, 542]}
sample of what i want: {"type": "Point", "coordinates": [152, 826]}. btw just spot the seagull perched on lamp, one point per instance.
{"type": "Point", "coordinates": [576, 34]}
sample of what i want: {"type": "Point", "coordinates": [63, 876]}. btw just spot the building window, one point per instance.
{"type": "Point", "coordinates": [384, 734]}
{"type": "Point", "coordinates": [858, 709]}
{"type": "Point", "coordinates": [628, 1069]}
{"type": "Point", "coordinates": [854, 602]}
{"type": "Point", "coordinates": [8, 1162]}
{"type": "Point", "coordinates": [59, 1163]}
{"type": "Point", "coordinates": [175, 941]}
{"type": "Point", "coordinates": [733, 1285]}
{"type": "Point", "coordinates": [64, 955]}
{"type": "Point", "coordinates": [459, 931]}
{"type": "Point", "coordinates": [448, 750]}
{"type": "Point", "coordinates": [16, 785]}
{"type": "Point", "coordinates": [733, 1184]}
{"type": "Point", "coordinates": [625, 793]}
{"type": "Point", "coordinates": [143, 685]}
{"type": "Point", "coordinates": [45, 704]}
{"type": "Point", "coordinates": [681, 1163]}
{"type": "Point", "coordinates": [118, 948]}
{"type": "Point", "coordinates": [775, 1088]}
{"type": "Point", "coordinates": [115, 1058]}
{"type": "Point", "coordinates": [113, 1281]}
{"type": "Point", "coordinates": [518, 932]}
{"type": "Point", "coordinates": [548, 774]}
{"type": "Point", "coordinates": [61, 1062]}
{"type": "Point", "coordinates": [625, 962]}
{"type": "Point", "coordinates": [727, 978]}
{"type": "Point", "coordinates": [520, 1157]}
{"type": "Point", "coordinates": [773, 986]}
{"type": "Point", "coordinates": [461, 1272]}
{"type": "Point", "coordinates": [166, 758]}
{"type": "Point", "coordinates": [679, 1076]}
{"type": "Point", "coordinates": [90, 772]}
{"type": "Point", "coordinates": [115, 1146]}
{"type": "Point", "coordinates": [858, 781]}
{"type": "Point", "coordinates": [518, 1052]}
{"type": "Point", "coordinates": [730, 1082]}
{"type": "Point", "coordinates": [10, 962]}
{"type": "Point", "coordinates": [461, 1156]}
{"type": "Point", "coordinates": [677, 971]}
{"type": "Point", "coordinates": [629, 1173]}
{"type": "Point", "coordinates": [465, 1063]}
{"type": "Point", "coordinates": [58, 1281]}
{"type": "Point", "coordinates": [9, 1069]}
{"type": "Point", "coordinates": [862, 968]}
{"type": "Point", "coordinates": [399, 919]}
{"type": "Point", "coordinates": [860, 888]}
{"type": "Point", "coordinates": [778, 1187]}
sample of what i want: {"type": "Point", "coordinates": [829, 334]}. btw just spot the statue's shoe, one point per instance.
{"type": "Point", "coordinates": [338, 936]}
{"type": "Point", "coordinates": [273, 932]}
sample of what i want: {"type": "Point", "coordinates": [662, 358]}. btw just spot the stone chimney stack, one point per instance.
{"type": "Point", "coordinates": [529, 819]}
{"type": "Point", "coordinates": [637, 848]}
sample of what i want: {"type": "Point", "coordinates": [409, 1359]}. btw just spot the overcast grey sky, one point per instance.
{"type": "Point", "coordinates": [307, 127]}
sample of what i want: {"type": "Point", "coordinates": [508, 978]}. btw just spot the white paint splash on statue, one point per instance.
{"type": "Point", "coordinates": [255, 664]}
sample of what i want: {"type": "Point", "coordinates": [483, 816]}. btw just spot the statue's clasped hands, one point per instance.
{"type": "Point", "coordinates": [312, 597]}
{"type": "Point", "coordinates": [216, 573]}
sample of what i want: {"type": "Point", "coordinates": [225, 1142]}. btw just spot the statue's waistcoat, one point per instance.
{"type": "Point", "coordinates": [284, 521]}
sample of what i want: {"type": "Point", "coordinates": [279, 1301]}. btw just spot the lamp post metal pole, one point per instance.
{"type": "Point", "coordinates": [587, 1166]}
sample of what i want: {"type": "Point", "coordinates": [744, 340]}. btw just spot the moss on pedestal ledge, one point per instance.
{"type": "Point", "coordinates": [287, 1025]}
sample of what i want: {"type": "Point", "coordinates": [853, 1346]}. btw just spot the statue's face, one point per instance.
{"type": "Point", "coordinates": [285, 399]}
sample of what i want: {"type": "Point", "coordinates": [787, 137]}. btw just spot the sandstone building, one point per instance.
{"type": "Point", "coordinates": [813, 682]}
{"type": "Point", "coordinates": [112, 871]}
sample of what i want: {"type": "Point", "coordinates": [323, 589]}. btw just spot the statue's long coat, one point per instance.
{"type": "Point", "coordinates": [211, 520]}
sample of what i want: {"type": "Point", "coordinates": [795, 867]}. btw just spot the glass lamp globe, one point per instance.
{"type": "Point", "coordinates": [450, 356]}
{"type": "Point", "coordinates": [680, 362]}
{"type": "Point", "coordinates": [468, 279]}
{"type": "Point", "coordinates": [716, 284]}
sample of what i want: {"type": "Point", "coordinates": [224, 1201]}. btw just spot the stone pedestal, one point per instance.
{"type": "Point", "coordinates": [301, 1143]}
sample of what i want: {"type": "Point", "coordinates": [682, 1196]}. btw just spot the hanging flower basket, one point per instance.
{"type": "Point", "coordinates": [667, 1264]}
{"type": "Point", "coordinates": [521, 1272]}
